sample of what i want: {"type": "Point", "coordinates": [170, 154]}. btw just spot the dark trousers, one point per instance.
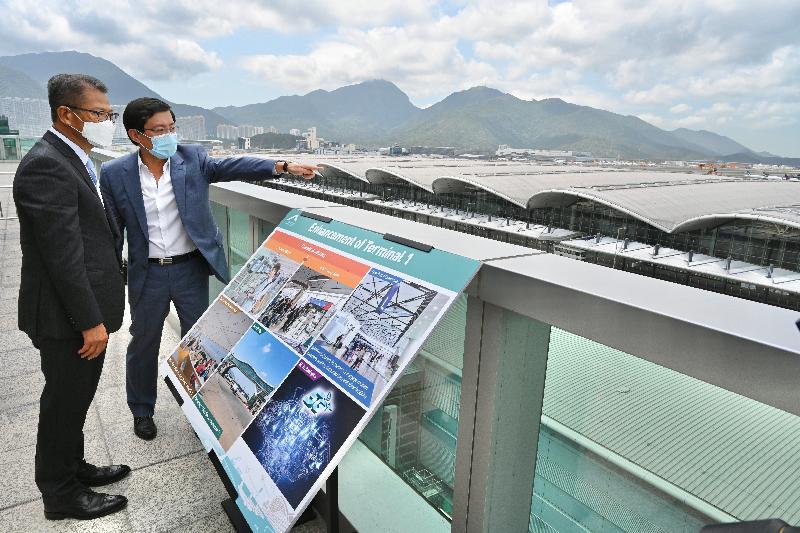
{"type": "Point", "coordinates": [70, 384]}
{"type": "Point", "coordinates": [185, 285]}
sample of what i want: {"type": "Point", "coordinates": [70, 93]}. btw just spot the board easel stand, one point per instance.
{"type": "Point", "coordinates": [327, 501]}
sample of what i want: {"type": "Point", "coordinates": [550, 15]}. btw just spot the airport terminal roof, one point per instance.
{"type": "Point", "coordinates": [668, 201]}
{"type": "Point", "coordinates": [737, 271]}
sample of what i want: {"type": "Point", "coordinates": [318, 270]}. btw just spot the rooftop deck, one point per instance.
{"type": "Point", "coordinates": [165, 470]}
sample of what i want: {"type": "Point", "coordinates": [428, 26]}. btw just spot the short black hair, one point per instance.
{"type": "Point", "coordinates": [139, 111]}
{"type": "Point", "coordinates": [68, 89]}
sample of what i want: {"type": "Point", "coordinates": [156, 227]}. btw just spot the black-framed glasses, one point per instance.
{"type": "Point", "coordinates": [162, 131]}
{"type": "Point", "coordinates": [99, 115]}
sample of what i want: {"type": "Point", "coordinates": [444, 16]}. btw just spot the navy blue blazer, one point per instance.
{"type": "Point", "coordinates": [191, 172]}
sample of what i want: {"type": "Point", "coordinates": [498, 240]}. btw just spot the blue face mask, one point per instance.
{"type": "Point", "coordinates": [164, 146]}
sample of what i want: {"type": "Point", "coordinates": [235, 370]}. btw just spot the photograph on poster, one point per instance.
{"type": "Point", "coordinates": [259, 280]}
{"type": "Point", "coordinates": [365, 344]}
{"type": "Point", "coordinates": [199, 354]}
{"type": "Point", "coordinates": [338, 333]}
{"type": "Point", "coordinates": [244, 381]}
{"type": "Point", "coordinates": [303, 307]}
{"type": "Point", "coordinates": [302, 427]}
{"type": "Point", "coordinates": [385, 306]}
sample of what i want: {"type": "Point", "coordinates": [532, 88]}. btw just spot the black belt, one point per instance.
{"type": "Point", "coordinates": [174, 259]}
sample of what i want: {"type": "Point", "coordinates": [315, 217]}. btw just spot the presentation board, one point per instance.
{"type": "Point", "coordinates": [286, 367]}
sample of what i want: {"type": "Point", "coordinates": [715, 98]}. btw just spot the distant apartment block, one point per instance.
{"type": "Point", "coordinates": [249, 131]}
{"type": "Point", "coordinates": [30, 116]}
{"type": "Point", "coordinates": [9, 141]}
{"type": "Point", "coordinates": [312, 141]}
{"type": "Point", "coordinates": [228, 131]}
{"type": "Point", "coordinates": [272, 129]}
{"type": "Point", "coordinates": [295, 132]}
{"type": "Point", "coordinates": [191, 128]}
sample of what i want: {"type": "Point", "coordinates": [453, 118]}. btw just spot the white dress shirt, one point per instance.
{"type": "Point", "coordinates": [83, 156]}
{"type": "Point", "coordinates": [166, 233]}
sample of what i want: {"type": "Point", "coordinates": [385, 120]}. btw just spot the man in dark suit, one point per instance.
{"type": "Point", "coordinates": [71, 293]}
{"type": "Point", "coordinates": [160, 195]}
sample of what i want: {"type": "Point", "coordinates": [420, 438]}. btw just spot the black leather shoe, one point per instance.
{"type": "Point", "coordinates": [96, 476]}
{"type": "Point", "coordinates": [144, 427]}
{"type": "Point", "coordinates": [85, 506]}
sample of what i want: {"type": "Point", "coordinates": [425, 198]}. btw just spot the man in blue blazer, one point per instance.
{"type": "Point", "coordinates": [160, 195]}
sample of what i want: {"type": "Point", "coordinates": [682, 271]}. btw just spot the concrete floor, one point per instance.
{"type": "Point", "coordinates": [173, 486]}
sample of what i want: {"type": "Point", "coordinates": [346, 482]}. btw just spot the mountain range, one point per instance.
{"type": "Point", "coordinates": [378, 113]}
{"type": "Point", "coordinates": [17, 73]}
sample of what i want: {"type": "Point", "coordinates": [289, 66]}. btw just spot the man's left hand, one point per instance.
{"type": "Point", "coordinates": [307, 171]}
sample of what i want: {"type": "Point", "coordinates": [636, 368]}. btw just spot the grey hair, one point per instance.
{"type": "Point", "coordinates": [67, 89]}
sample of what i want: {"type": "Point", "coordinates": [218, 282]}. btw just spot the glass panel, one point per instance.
{"type": "Point", "coordinates": [264, 228]}
{"type": "Point", "coordinates": [414, 433]}
{"type": "Point", "coordinates": [220, 214]}
{"type": "Point", "coordinates": [10, 148]}
{"type": "Point", "coordinates": [628, 445]}
{"type": "Point", "coordinates": [240, 240]}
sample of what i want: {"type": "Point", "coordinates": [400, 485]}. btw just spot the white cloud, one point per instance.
{"type": "Point", "coordinates": [690, 121]}
{"type": "Point", "coordinates": [160, 40]}
{"type": "Point", "coordinates": [661, 53]}
{"type": "Point", "coordinates": [389, 53]}
{"type": "Point", "coordinates": [652, 119]}
{"type": "Point", "coordinates": [689, 62]}
{"type": "Point", "coordinates": [721, 108]}
{"type": "Point", "coordinates": [658, 94]}
{"type": "Point", "coordinates": [495, 51]}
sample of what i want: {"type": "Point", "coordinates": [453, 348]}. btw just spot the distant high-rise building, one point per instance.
{"type": "Point", "coordinates": [295, 132]}
{"type": "Point", "coordinates": [4, 127]}
{"type": "Point", "coordinates": [191, 128]}
{"type": "Point", "coordinates": [31, 116]}
{"type": "Point", "coordinates": [227, 131]}
{"type": "Point", "coordinates": [243, 143]}
{"type": "Point", "coordinates": [272, 129]}
{"type": "Point", "coordinates": [312, 142]}
{"type": "Point", "coordinates": [246, 130]}
{"type": "Point", "coordinates": [9, 141]}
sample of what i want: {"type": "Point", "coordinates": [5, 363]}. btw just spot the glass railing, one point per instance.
{"type": "Point", "coordinates": [626, 438]}
{"type": "Point", "coordinates": [416, 429]}
{"type": "Point", "coordinates": [628, 445]}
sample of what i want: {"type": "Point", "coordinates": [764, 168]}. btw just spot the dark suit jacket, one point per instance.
{"type": "Point", "coordinates": [191, 172]}
{"type": "Point", "coordinates": [71, 269]}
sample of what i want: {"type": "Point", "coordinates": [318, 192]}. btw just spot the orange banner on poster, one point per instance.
{"type": "Point", "coordinates": [229, 304]}
{"type": "Point", "coordinates": [328, 263]}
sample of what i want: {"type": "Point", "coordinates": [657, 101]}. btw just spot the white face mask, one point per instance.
{"type": "Point", "coordinates": [99, 134]}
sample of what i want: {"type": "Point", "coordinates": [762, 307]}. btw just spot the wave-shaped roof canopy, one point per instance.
{"type": "Point", "coordinates": [671, 202]}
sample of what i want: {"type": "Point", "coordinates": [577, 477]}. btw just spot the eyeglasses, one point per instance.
{"type": "Point", "coordinates": [99, 115]}
{"type": "Point", "coordinates": [162, 131]}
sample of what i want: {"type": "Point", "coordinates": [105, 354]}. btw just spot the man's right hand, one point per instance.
{"type": "Point", "coordinates": [94, 342]}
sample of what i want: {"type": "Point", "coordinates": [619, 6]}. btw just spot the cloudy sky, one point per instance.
{"type": "Point", "coordinates": [729, 66]}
